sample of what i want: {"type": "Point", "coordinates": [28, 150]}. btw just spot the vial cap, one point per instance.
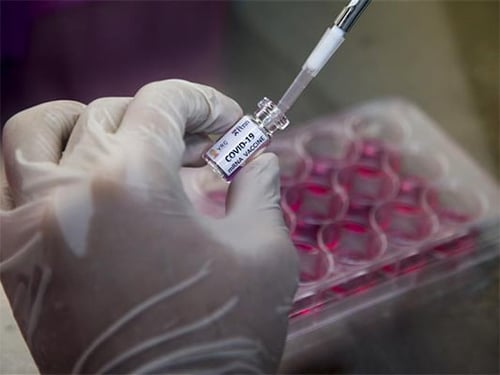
{"type": "Point", "coordinates": [270, 116]}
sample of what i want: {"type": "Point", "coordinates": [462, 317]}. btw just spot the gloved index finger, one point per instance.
{"type": "Point", "coordinates": [173, 108]}
{"type": "Point", "coordinates": [33, 141]}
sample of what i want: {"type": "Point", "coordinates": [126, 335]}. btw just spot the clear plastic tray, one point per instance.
{"type": "Point", "coordinates": [378, 201]}
{"type": "Point", "coordinates": [456, 228]}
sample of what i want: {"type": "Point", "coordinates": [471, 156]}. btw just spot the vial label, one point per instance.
{"type": "Point", "coordinates": [239, 143]}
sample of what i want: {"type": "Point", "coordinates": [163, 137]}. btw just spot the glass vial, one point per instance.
{"type": "Point", "coordinates": [245, 140]}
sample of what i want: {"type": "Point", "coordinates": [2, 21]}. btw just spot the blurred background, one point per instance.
{"type": "Point", "coordinates": [441, 55]}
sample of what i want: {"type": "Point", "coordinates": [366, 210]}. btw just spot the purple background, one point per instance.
{"type": "Point", "coordinates": [82, 49]}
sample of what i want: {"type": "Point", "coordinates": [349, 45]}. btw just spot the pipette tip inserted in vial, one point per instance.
{"type": "Point", "coordinates": [251, 134]}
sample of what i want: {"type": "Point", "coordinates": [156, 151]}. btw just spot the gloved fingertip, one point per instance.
{"type": "Point", "coordinates": [264, 169]}
{"type": "Point", "coordinates": [234, 110]}
{"type": "Point", "coordinates": [196, 146]}
{"type": "Point", "coordinates": [256, 186]}
{"type": "Point", "coordinates": [225, 111]}
{"type": "Point", "coordinates": [265, 163]}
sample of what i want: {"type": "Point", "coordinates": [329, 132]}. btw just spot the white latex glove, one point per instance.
{"type": "Point", "coordinates": [108, 264]}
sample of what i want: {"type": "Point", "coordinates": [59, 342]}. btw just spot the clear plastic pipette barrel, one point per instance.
{"type": "Point", "coordinates": [298, 85]}
{"type": "Point", "coordinates": [326, 47]}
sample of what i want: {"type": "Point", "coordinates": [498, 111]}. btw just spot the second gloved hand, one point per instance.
{"type": "Point", "coordinates": [109, 266]}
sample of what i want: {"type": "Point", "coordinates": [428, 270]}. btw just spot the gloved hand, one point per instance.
{"type": "Point", "coordinates": [108, 264]}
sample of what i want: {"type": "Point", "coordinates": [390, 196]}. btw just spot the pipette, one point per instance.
{"type": "Point", "coordinates": [252, 133]}
{"type": "Point", "coordinates": [324, 50]}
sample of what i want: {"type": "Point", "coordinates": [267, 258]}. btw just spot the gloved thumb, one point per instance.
{"type": "Point", "coordinates": [254, 194]}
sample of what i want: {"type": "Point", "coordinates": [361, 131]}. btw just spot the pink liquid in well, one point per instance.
{"type": "Point", "coordinates": [411, 190]}
{"type": "Point", "coordinates": [329, 151]}
{"type": "Point", "coordinates": [358, 214]}
{"type": "Point", "coordinates": [415, 170]}
{"type": "Point", "coordinates": [351, 242]}
{"type": "Point", "coordinates": [367, 185]}
{"type": "Point", "coordinates": [314, 203]}
{"type": "Point", "coordinates": [293, 168]}
{"type": "Point", "coordinates": [314, 263]}
{"type": "Point", "coordinates": [391, 131]}
{"type": "Point", "coordinates": [321, 170]}
{"type": "Point", "coordinates": [374, 152]}
{"type": "Point", "coordinates": [404, 223]}
{"type": "Point", "coordinates": [305, 233]}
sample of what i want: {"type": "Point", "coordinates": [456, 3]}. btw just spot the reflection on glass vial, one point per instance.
{"type": "Point", "coordinates": [245, 140]}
